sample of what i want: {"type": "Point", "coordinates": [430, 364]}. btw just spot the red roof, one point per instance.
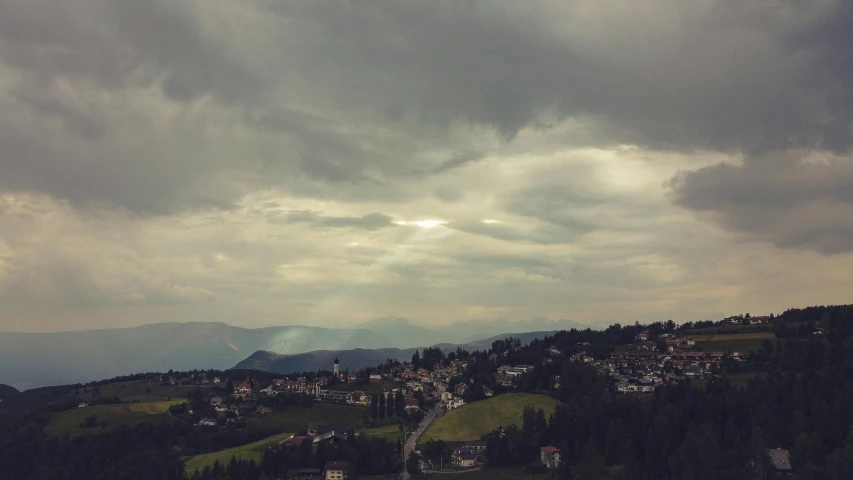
{"type": "Point", "coordinates": [549, 450]}
{"type": "Point", "coordinates": [292, 441]}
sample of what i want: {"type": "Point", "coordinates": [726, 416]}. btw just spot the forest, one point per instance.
{"type": "Point", "coordinates": [798, 398]}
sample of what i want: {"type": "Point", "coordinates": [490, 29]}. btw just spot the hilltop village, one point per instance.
{"type": "Point", "coordinates": [645, 359]}
{"type": "Point", "coordinates": [639, 367]}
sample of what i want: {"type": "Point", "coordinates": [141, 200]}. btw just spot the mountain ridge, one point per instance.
{"type": "Point", "coordinates": [354, 359]}
{"type": "Point", "coordinates": [30, 360]}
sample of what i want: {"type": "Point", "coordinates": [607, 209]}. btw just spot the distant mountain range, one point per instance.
{"type": "Point", "coordinates": [29, 360]}
{"type": "Point", "coordinates": [354, 359]}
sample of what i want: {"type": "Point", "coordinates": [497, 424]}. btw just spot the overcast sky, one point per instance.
{"type": "Point", "coordinates": [329, 163]}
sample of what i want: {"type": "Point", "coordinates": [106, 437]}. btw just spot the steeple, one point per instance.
{"type": "Point", "coordinates": [336, 370]}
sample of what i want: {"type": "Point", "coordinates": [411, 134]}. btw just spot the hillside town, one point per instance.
{"type": "Point", "coordinates": [649, 361]}
{"type": "Point", "coordinates": [641, 367]}
{"type": "Point", "coordinates": [314, 423]}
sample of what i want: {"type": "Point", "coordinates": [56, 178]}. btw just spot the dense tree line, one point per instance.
{"type": "Point", "coordinates": [798, 399]}
{"type": "Point", "coordinates": [367, 455]}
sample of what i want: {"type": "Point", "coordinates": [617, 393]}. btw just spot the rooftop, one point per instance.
{"type": "Point", "coordinates": [781, 458]}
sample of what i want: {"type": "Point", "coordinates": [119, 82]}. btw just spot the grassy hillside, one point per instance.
{"type": "Point", "coordinates": [471, 421]}
{"type": "Point", "coordinates": [251, 451]}
{"type": "Point", "coordinates": [734, 342]}
{"type": "Point", "coordinates": [115, 415]}
{"type": "Point", "coordinates": [390, 432]}
{"type": "Point", "coordinates": [295, 419]}
{"type": "Point", "coordinates": [140, 391]}
{"type": "Point", "coordinates": [509, 473]}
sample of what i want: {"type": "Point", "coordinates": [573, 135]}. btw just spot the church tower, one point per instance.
{"type": "Point", "coordinates": [337, 370]}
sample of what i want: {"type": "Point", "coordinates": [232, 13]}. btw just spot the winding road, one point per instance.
{"type": "Point", "coordinates": [413, 440]}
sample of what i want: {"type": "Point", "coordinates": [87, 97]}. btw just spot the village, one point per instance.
{"type": "Point", "coordinates": [637, 369]}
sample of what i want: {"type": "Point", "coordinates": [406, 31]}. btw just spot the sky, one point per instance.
{"type": "Point", "coordinates": [328, 163]}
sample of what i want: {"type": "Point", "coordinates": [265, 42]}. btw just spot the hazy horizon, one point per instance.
{"type": "Point", "coordinates": [333, 163]}
{"type": "Point", "coordinates": [537, 324]}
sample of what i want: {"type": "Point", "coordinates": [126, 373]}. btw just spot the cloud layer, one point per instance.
{"type": "Point", "coordinates": [280, 162]}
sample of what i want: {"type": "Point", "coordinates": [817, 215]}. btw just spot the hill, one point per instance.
{"type": "Point", "coordinates": [350, 359]}
{"type": "Point", "coordinates": [486, 343]}
{"type": "Point", "coordinates": [115, 416]}
{"type": "Point", "coordinates": [8, 392]}
{"type": "Point", "coordinates": [353, 359]}
{"type": "Point", "coordinates": [470, 422]}
{"type": "Point", "coordinates": [29, 360]}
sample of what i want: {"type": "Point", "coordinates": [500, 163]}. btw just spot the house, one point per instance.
{"type": "Point", "coordinates": [336, 470]}
{"type": "Point", "coordinates": [292, 440]}
{"type": "Point", "coordinates": [375, 377]}
{"type": "Point", "coordinates": [550, 456]}
{"type": "Point", "coordinates": [455, 403]}
{"type": "Point", "coordinates": [216, 401]}
{"type": "Point", "coordinates": [216, 380]}
{"type": "Point", "coordinates": [460, 388]}
{"type": "Point", "coordinates": [329, 437]}
{"type": "Point", "coordinates": [581, 357]}
{"type": "Point", "coordinates": [488, 391]}
{"type": "Point", "coordinates": [780, 459]}
{"type": "Point", "coordinates": [412, 405]}
{"type": "Point", "coordinates": [465, 459]}
{"type": "Point", "coordinates": [207, 422]}
{"type": "Point", "coordinates": [315, 429]}
{"type": "Point", "coordinates": [244, 388]}
{"type": "Point", "coordinates": [469, 455]}
{"type": "Point", "coordinates": [415, 386]}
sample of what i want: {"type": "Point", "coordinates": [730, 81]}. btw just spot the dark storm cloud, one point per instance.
{"type": "Point", "coordinates": [458, 160]}
{"type": "Point", "coordinates": [109, 42]}
{"type": "Point", "coordinates": [727, 77]}
{"type": "Point", "coordinates": [787, 200]}
{"type": "Point", "coordinates": [161, 106]}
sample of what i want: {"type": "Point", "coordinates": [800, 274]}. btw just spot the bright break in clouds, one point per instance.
{"type": "Point", "coordinates": [333, 162]}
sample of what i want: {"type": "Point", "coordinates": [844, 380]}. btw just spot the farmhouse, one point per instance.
{"type": "Point", "coordinates": [315, 429]}
{"type": "Point", "coordinates": [292, 441]}
{"type": "Point", "coordinates": [336, 470]}
{"type": "Point", "coordinates": [550, 456]}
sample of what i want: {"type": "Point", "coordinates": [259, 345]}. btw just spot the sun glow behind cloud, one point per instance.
{"type": "Point", "coordinates": [424, 223]}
